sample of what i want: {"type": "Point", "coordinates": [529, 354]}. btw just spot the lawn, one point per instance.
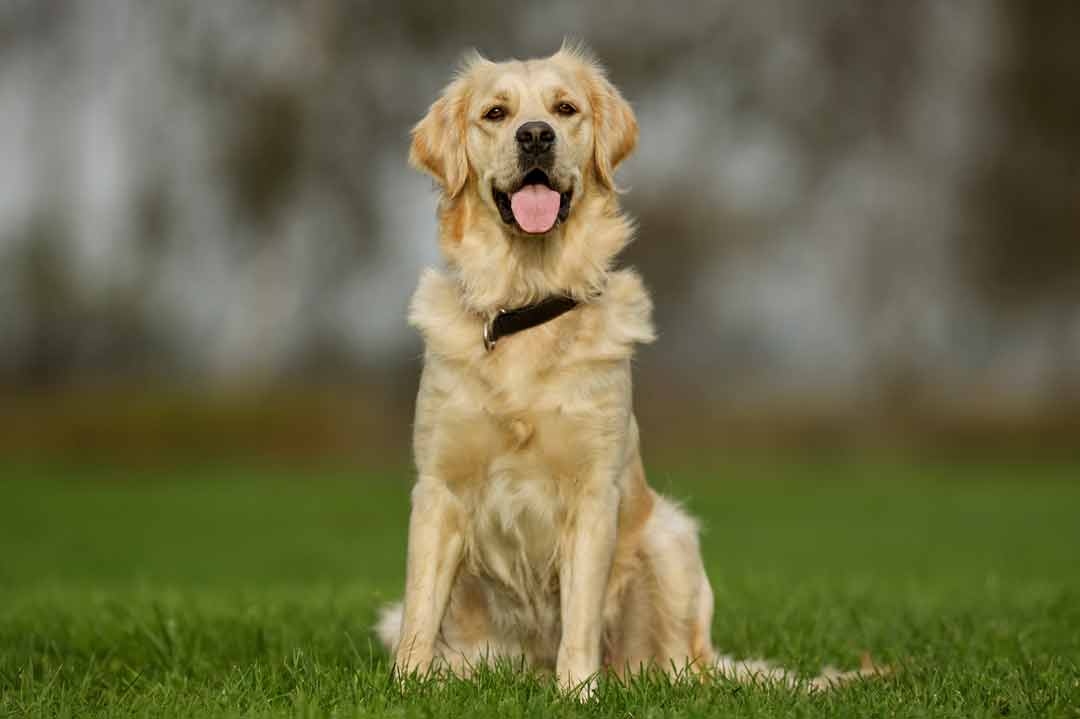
{"type": "Point", "coordinates": [248, 590]}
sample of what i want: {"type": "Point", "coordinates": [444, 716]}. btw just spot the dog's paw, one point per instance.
{"type": "Point", "coordinates": [581, 689]}
{"type": "Point", "coordinates": [577, 678]}
{"type": "Point", "coordinates": [412, 665]}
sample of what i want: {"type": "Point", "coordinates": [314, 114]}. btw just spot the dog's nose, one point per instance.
{"type": "Point", "coordinates": [535, 138]}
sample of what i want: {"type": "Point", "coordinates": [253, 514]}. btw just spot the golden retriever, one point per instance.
{"type": "Point", "coordinates": [533, 532]}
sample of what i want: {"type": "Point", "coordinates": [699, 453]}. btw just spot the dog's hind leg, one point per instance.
{"type": "Point", "coordinates": [467, 637]}
{"type": "Point", "coordinates": [665, 612]}
{"type": "Point", "coordinates": [668, 609]}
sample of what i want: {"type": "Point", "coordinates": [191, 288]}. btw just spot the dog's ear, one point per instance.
{"type": "Point", "coordinates": [615, 129]}
{"type": "Point", "coordinates": [438, 141]}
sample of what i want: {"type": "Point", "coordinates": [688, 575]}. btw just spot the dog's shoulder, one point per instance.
{"type": "Point", "coordinates": [436, 311]}
{"type": "Point", "coordinates": [629, 308]}
{"type": "Point", "coordinates": [618, 320]}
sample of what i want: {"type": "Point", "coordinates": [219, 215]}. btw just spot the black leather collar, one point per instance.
{"type": "Point", "coordinates": [508, 322]}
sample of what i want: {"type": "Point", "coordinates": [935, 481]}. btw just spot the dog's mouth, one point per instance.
{"type": "Point", "coordinates": [536, 207]}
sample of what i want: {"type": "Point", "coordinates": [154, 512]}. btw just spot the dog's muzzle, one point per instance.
{"type": "Point", "coordinates": [535, 205]}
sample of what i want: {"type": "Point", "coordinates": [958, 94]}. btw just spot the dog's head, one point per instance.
{"type": "Point", "coordinates": [527, 139]}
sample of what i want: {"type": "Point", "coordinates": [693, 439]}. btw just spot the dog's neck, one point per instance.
{"type": "Point", "coordinates": [498, 268]}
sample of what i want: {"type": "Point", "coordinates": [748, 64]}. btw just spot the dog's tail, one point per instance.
{"type": "Point", "coordinates": [748, 671]}
{"type": "Point", "coordinates": [388, 628]}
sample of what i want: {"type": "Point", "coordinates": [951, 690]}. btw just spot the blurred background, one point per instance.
{"type": "Point", "coordinates": [860, 222]}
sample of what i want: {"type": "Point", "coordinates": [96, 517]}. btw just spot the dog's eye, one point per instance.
{"type": "Point", "coordinates": [496, 113]}
{"type": "Point", "coordinates": [565, 108]}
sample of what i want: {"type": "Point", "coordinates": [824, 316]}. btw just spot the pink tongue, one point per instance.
{"type": "Point", "coordinates": [535, 208]}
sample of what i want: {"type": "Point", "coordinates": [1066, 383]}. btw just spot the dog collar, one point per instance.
{"type": "Point", "coordinates": [508, 322]}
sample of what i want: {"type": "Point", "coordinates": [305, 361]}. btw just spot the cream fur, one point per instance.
{"type": "Point", "coordinates": [533, 532]}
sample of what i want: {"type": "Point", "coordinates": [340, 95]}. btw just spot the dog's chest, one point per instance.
{"type": "Point", "coordinates": [516, 474]}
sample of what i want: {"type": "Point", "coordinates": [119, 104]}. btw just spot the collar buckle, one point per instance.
{"type": "Point", "coordinates": [489, 331]}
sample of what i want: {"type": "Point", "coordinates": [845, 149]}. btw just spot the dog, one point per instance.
{"type": "Point", "coordinates": [533, 532]}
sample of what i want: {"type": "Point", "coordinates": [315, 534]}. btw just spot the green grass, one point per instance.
{"type": "Point", "coordinates": [250, 591]}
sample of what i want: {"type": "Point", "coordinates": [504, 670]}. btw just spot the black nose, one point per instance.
{"type": "Point", "coordinates": [535, 138]}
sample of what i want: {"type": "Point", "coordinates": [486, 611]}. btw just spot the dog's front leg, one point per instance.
{"type": "Point", "coordinates": [588, 550]}
{"type": "Point", "coordinates": [435, 546]}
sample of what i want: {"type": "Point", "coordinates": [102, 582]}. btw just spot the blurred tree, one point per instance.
{"type": "Point", "coordinates": [1025, 251]}
{"type": "Point", "coordinates": [51, 304]}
